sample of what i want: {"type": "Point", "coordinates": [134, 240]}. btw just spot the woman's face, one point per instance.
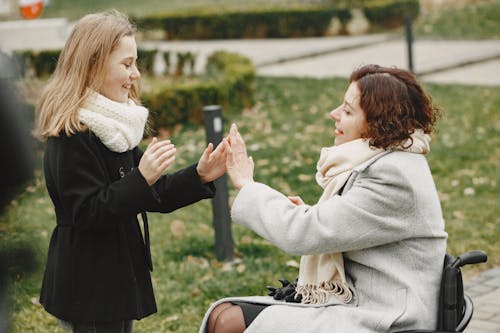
{"type": "Point", "coordinates": [120, 71]}
{"type": "Point", "coordinates": [350, 120]}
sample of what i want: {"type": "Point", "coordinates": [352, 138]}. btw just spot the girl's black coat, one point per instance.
{"type": "Point", "coordinates": [97, 268]}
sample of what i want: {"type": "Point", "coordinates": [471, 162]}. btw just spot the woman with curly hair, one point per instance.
{"type": "Point", "coordinates": [372, 247]}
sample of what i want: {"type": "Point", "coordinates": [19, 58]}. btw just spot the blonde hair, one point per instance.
{"type": "Point", "coordinates": [80, 66]}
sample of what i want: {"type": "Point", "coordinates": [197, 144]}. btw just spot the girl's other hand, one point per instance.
{"type": "Point", "coordinates": [157, 158]}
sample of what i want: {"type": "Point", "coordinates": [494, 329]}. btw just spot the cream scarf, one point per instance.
{"type": "Point", "coordinates": [119, 126]}
{"type": "Point", "coordinates": [322, 275]}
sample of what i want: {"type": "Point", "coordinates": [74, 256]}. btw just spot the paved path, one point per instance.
{"type": "Point", "coordinates": [443, 61]}
{"type": "Point", "coordinates": [485, 293]}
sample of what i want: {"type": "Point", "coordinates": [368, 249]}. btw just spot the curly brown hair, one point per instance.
{"type": "Point", "coordinates": [395, 105]}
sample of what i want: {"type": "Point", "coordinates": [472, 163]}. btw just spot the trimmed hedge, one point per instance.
{"type": "Point", "coordinates": [277, 23]}
{"type": "Point", "coordinates": [43, 63]}
{"type": "Point", "coordinates": [229, 82]}
{"type": "Point", "coordinates": [273, 23]}
{"type": "Point", "coordinates": [390, 14]}
{"type": "Point", "coordinates": [145, 60]}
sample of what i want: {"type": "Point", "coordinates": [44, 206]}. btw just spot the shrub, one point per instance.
{"type": "Point", "coordinates": [43, 63]}
{"type": "Point", "coordinates": [228, 82]}
{"type": "Point", "coordinates": [145, 60]}
{"type": "Point", "coordinates": [276, 23]}
{"type": "Point", "coordinates": [389, 13]}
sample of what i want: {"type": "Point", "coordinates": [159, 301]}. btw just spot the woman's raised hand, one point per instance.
{"type": "Point", "coordinates": [239, 165]}
{"type": "Point", "coordinates": [159, 155]}
{"type": "Point", "coordinates": [212, 163]}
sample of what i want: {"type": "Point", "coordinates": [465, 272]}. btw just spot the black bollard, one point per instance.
{"type": "Point", "coordinates": [220, 203]}
{"type": "Point", "coordinates": [409, 40]}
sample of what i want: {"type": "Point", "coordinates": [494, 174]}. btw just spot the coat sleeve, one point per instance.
{"type": "Point", "coordinates": [178, 189]}
{"type": "Point", "coordinates": [371, 213]}
{"type": "Point", "coordinates": [77, 182]}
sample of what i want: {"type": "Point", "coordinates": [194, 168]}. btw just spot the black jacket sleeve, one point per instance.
{"type": "Point", "coordinates": [179, 189]}
{"type": "Point", "coordinates": [78, 184]}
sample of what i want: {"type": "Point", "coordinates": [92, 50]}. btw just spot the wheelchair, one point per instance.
{"type": "Point", "coordinates": [455, 307]}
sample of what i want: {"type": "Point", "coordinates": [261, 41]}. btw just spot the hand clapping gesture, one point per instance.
{"type": "Point", "coordinates": [212, 163]}
{"type": "Point", "coordinates": [239, 166]}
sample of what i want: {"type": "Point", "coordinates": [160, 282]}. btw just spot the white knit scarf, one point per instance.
{"type": "Point", "coordinates": [322, 275]}
{"type": "Point", "coordinates": [119, 126]}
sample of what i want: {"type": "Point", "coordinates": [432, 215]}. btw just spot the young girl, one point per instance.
{"type": "Point", "coordinates": [373, 246]}
{"type": "Point", "coordinates": [97, 276]}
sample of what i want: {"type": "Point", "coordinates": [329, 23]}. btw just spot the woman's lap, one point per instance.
{"type": "Point", "coordinates": [250, 311]}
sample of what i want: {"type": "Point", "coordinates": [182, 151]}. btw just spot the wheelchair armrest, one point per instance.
{"type": "Point", "coordinates": [472, 257]}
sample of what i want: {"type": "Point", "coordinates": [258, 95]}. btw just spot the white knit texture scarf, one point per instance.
{"type": "Point", "coordinates": [119, 126]}
{"type": "Point", "coordinates": [323, 275]}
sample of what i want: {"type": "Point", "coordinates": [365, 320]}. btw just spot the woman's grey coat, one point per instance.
{"type": "Point", "coordinates": [389, 226]}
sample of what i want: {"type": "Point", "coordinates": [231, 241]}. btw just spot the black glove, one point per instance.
{"type": "Point", "coordinates": [286, 292]}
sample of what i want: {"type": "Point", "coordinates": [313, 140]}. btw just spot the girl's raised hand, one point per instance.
{"type": "Point", "coordinates": [157, 158]}
{"type": "Point", "coordinates": [212, 163]}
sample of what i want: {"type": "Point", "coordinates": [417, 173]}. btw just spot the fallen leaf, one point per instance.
{"type": "Point", "coordinates": [172, 318]}
{"type": "Point", "coordinates": [178, 228]}
{"type": "Point", "coordinates": [246, 239]}
{"type": "Point", "coordinates": [480, 180]}
{"type": "Point", "coordinates": [226, 267]}
{"type": "Point", "coordinates": [469, 191]}
{"type": "Point", "coordinates": [443, 196]}
{"type": "Point", "coordinates": [304, 178]}
{"type": "Point", "coordinates": [201, 262]}
{"type": "Point", "coordinates": [262, 162]}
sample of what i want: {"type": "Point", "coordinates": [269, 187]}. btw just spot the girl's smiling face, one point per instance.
{"type": "Point", "coordinates": [120, 70]}
{"type": "Point", "coordinates": [350, 119]}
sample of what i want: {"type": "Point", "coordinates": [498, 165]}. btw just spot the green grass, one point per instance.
{"type": "Point", "coordinates": [476, 21]}
{"type": "Point", "coordinates": [284, 133]}
{"type": "Point", "coordinates": [77, 8]}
